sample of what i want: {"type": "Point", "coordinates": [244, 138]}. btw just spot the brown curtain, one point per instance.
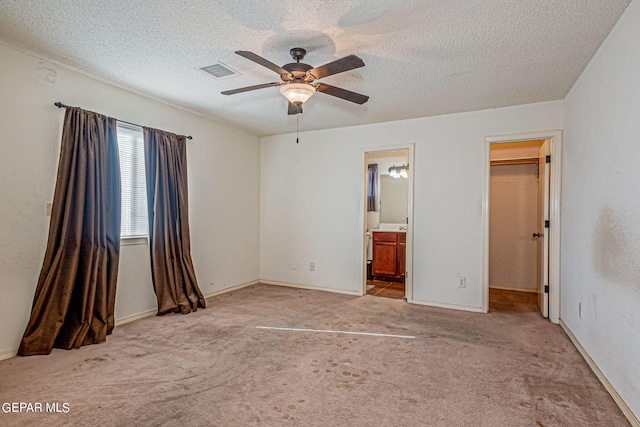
{"type": "Point", "coordinates": [75, 296]}
{"type": "Point", "coordinates": [174, 279]}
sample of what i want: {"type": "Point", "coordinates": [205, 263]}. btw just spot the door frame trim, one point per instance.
{"type": "Point", "coordinates": [408, 280]}
{"type": "Point", "coordinates": [555, 136]}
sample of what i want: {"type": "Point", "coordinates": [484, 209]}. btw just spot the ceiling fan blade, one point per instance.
{"type": "Point", "coordinates": [265, 63]}
{"type": "Point", "coordinates": [338, 66]}
{"type": "Point", "coordinates": [248, 88]}
{"type": "Point", "coordinates": [294, 109]}
{"type": "Point", "coordinates": [358, 98]}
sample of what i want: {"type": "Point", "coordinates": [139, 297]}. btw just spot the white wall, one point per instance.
{"type": "Point", "coordinates": [224, 203]}
{"type": "Point", "coordinates": [601, 208]}
{"type": "Point", "coordinates": [310, 215]}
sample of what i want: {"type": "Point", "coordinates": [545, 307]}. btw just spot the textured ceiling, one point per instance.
{"type": "Point", "coordinates": [423, 57]}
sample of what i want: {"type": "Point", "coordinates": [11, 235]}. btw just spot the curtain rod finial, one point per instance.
{"type": "Point", "coordinates": [59, 104]}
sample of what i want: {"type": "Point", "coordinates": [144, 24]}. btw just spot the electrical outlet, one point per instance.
{"type": "Point", "coordinates": [293, 265]}
{"type": "Point", "coordinates": [462, 282]}
{"type": "Point", "coordinates": [312, 266]}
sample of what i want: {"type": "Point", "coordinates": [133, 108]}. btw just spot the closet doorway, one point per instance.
{"type": "Point", "coordinates": [516, 199]}
{"type": "Point", "coordinates": [521, 251]}
{"type": "Point", "coordinates": [387, 222]}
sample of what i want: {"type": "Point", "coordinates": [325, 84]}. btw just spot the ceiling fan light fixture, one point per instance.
{"type": "Point", "coordinates": [297, 93]}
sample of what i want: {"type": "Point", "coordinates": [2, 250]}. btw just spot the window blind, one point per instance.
{"type": "Point", "coordinates": [134, 221]}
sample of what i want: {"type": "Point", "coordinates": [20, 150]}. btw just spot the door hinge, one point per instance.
{"type": "Point", "coordinates": [547, 159]}
{"type": "Point", "coordinates": [546, 289]}
{"type": "Point", "coordinates": [547, 223]}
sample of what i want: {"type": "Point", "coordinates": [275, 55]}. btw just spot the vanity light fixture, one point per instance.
{"type": "Point", "coordinates": [399, 171]}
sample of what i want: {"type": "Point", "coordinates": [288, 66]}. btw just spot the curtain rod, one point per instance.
{"type": "Point", "coordinates": [61, 105]}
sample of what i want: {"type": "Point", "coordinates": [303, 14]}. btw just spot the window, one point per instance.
{"type": "Point", "coordinates": [134, 221]}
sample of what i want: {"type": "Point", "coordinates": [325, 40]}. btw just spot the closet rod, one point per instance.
{"type": "Point", "coordinates": [61, 105]}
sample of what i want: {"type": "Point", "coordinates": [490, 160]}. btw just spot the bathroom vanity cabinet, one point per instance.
{"type": "Point", "coordinates": [389, 254]}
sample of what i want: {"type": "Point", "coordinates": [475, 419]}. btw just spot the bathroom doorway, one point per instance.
{"type": "Point", "coordinates": [387, 218]}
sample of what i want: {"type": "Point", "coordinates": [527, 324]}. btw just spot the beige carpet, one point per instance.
{"type": "Point", "coordinates": [216, 368]}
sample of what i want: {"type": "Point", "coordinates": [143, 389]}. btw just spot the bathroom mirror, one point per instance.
{"type": "Point", "coordinates": [393, 199]}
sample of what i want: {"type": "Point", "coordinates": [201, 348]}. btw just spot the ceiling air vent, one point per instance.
{"type": "Point", "coordinates": [220, 71]}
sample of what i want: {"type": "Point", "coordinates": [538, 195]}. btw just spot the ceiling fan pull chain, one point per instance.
{"type": "Point", "coordinates": [297, 126]}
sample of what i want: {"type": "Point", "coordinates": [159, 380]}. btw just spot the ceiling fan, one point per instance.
{"type": "Point", "coordinates": [297, 78]}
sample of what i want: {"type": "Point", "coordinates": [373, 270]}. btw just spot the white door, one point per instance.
{"type": "Point", "coordinates": [542, 234]}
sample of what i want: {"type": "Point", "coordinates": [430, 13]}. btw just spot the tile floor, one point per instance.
{"type": "Point", "coordinates": [385, 289]}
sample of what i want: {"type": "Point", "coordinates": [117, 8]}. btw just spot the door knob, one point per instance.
{"type": "Point", "coordinates": [536, 235]}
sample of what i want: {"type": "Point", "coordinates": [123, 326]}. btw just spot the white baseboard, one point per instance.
{"type": "Point", "coordinates": [137, 316]}
{"type": "Point", "coordinates": [153, 312]}
{"type": "Point", "coordinates": [231, 289]}
{"type": "Point", "coordinates": [8, 354]}
{"type": "Point", "coordinates": [504, 288]}
{"type": "Point", "coordinates": [448, 306]}
{"type": "Point", "coordinates": [310, 287]}
{"type": "Point", "coordinates": [633, 420]}
{"type": "Point", "coordinates": [13, 353]}
{"type": "Point", "coordinates": [356, 293]}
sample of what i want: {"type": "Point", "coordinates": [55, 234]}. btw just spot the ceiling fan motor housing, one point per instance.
{"type": "Point", "coordinates": [298, 70]}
